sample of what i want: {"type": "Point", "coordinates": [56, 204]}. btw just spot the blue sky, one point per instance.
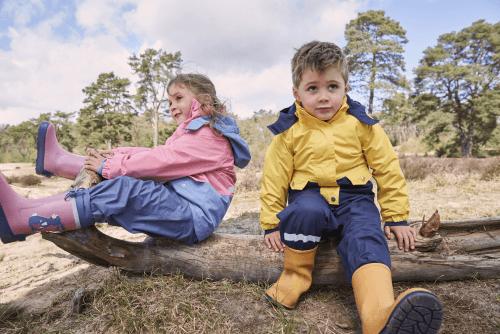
{"type": "Point", "coordinates": [50, 50]}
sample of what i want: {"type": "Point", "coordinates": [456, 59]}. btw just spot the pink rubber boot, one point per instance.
{"type": "Point", "coordinates": [20, 216]}
{"type": "Point", "coordinates": [51, 158]}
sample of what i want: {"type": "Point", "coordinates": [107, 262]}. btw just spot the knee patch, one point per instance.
{"type": "Point", "coordinates": [302, 225]}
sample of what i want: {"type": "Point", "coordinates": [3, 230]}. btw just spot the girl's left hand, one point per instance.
{"type": "Point", "coordinates": [405, 236]}
{"type": "Point", "coordinates": [93, 161]}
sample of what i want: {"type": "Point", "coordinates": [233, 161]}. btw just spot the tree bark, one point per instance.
{"type": "Point", "coordinates": [245, 258]}
{"type": "Point", "coordinates": [372, 83]}
{"type": "Point", "coordinates": [453, 250]}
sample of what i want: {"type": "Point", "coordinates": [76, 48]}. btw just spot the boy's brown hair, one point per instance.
{"type": "Point", "coordinates": [318, 56]}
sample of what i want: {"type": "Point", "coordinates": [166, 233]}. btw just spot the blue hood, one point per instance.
{"type": "Point", "coordinates": [228, 128]}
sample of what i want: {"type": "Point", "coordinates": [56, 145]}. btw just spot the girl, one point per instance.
{"type": "Point", "coordinates": [180, 190]}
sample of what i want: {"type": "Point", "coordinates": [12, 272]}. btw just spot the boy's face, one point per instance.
{"type": "Point", "coordinates": [321, 93]}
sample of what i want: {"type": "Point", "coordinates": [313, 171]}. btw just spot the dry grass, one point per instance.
{"type": "Point", "coordinates": [154, 304]}
{"type": "Point", "coordinates": [248, 180]}
{"type": "Point", "coordinates": [456, 196]}
{"type": "Point", "coordinates": [25, 180]}
{"type": "Point", "coordinates": [174, 304]}
{"type": "Point", "coordinates": [419, 168]}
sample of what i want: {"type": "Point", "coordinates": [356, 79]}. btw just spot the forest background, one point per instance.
{"type": "Point", "coordinates": [451, 108]}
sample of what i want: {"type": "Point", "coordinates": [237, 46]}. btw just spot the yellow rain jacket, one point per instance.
{"type": "Point", "coordinates": [351, 144]}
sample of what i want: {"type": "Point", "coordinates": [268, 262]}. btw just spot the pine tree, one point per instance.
{"type": "Point", "coordinates": [458, 89]}
{"type": "Point", "coordinates": [154, 68]}
{"type": "Point", "coordinates": [375, 46]}
{"type": "Point", "coordinates": [107, 113]}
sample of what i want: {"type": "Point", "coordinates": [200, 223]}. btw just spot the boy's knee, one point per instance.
{"type": "Point", "coordinates": [311, 211]}
{"type": "Point", "coordinates": [301, 226]}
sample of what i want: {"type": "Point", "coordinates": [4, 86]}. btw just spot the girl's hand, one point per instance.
{"type": "Point", "coordinates": [273, 241]}
{"type": "Point", "coordinates": [405, 236]}
{"type": "Point", "coordinates": [94, 160]}
{"type": "Point", "coordinates": [100, 153]}
{"type": "Point", "coordinates": [106, 153]}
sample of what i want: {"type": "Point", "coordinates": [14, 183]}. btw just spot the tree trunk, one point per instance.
{"type": "Point", "coordinates": [449, 251]}
{"type": "Point", "coordinates": [466, 146]}
{"type": "Point", "coordinates": [155, 127]}
{"type": "Point", "coordinates": [372, 84]}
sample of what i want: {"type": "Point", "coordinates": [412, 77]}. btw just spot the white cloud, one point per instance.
{"type": "Point", "coordinates": [21, 12]}
{"type": "Point", "coordinates": [244, 46]}
{"type": "Point", "coordinates": [224, 34]}
{"type": "Point", "coordinates": [41, 73]}
{"type": "Point", "coordinates": [97, 15]}
{"type": "Point", "coordinates": [250, 91]}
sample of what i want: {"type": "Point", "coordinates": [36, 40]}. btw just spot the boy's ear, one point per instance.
{"type": "Point", "coordinates": [295, 94]}
{"type": "Point", "coordinates": [347, 88]}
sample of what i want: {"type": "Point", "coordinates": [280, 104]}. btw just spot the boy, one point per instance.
{"type": "Point", "coordinates": [322, 157]}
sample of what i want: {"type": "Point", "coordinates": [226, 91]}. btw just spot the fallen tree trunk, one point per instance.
{"type": "Point", "coordinates": [465, 250]}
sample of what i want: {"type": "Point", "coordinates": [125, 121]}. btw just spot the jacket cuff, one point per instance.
{"type": "Point", "coordinates": [399, 223]}
{"type": "Point", "coordinates": [99, 171]}
{"type": "Point", "coordinates": [106, 168]}
{"type": "Point", "coordinates": [266, 232]}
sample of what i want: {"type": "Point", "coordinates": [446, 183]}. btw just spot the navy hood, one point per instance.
{"type": "Point", "coordinates": [228, 128]}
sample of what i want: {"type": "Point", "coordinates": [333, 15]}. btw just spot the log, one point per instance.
{"type": "Point", "coordinates": [245, 258]}
{"type": "Point", "coordinates": [470, 250]}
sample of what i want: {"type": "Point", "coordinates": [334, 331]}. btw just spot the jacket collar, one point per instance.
{"type": "Point", "coordinates": [310, 120]}
{"type": "Point", "coordinates": [287, 116]}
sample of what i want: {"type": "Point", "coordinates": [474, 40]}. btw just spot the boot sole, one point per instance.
{"type": "Point", "coordinates": [418, 312]}
{"type": "Point", "coordinates": [6, 234]}
{"type": "Point", "coordinates": [40, 149]}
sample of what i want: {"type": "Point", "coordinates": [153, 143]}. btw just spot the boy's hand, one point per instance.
{"type": "Point", "coordinates": [405, 235]}
{"type": "Point", "coordinates": [273, 241]}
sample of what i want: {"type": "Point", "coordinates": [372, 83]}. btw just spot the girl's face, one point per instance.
{"type": "Point", "coordinates": [321, 93]}
{"type": "Point", "coordinates": [180, 99]}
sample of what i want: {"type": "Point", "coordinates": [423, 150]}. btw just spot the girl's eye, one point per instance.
{"type": "Point", "coordinates": [311, 89]}
{"type": "Point", "coordinates": [333, 87]}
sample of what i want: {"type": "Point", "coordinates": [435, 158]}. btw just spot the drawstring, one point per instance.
{"type": "Point", "coordinates": [73, 193]}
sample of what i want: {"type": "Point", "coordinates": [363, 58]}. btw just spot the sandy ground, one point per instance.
{"type": "Point", "coordinates": [27, 265]}
{"type": "Point", "coordinates": [28, 269]}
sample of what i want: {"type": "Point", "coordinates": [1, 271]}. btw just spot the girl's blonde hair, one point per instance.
{"type": "Point", "coordinates": [204, 91]}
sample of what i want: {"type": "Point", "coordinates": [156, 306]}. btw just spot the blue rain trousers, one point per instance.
{"type": "Point", "coordinates": [356, 220]}
{"type": "Point", "coordinates": [138, 206]}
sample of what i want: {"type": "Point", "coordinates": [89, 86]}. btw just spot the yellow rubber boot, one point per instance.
{"type": "Point", "coordinates": [295, 279]}
{"type": "Point", "coordinates": [415, 311]}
